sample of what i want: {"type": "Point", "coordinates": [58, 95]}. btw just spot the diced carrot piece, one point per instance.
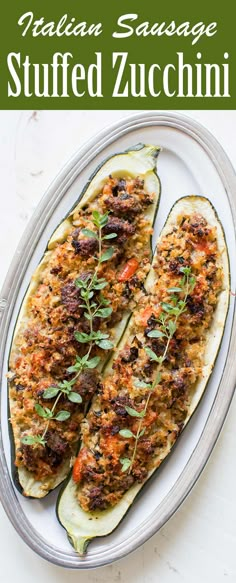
{"type": "Point", "coordinates": [145, 315]}
{"type": "Point", "coordinates": [128, 270]}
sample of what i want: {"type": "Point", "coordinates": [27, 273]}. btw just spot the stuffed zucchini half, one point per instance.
{"type": "Point", "coordinates": [74, 313]}
{"type": "Point", "coordinates": [154, 383]}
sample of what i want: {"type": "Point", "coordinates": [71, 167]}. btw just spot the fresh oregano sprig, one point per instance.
{"type": "Point", "coordinates": [92, 308]}
{"type": "Point", "coordinates": [167, 324]}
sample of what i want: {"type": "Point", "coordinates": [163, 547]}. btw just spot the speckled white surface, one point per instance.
{"type": "Point", "coordinates": [198, 543]}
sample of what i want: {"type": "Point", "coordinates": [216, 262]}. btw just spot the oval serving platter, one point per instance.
{"type": "Point", "coordinates": [191, 162]}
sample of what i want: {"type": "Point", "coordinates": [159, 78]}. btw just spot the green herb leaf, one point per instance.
{"type": "Point", "coordinates": [142, 432]}
{"type": "Point", "coordinates": [162, 318]}
{"type": "Point", "coordinates": [192, 281]}
{"type": "Point", "coordinates": [84, 358]}
{"type": "Point", "coordinates": [28, 440]}
{"type": "Point", "coordinates": [49, 412]}
{"type": "Point", "coordinates": [96, 216]}
{"type": "Point", "coordinates": [93, 362]}
{"type": "Point", "coordinates": [110, 236]}
{"type": "Point", "coordinates": [104, 312]}
{"type": "Point", "coordinates": [105, 344]}
{"type": "Point", "coordinates": [88, 316]}
{"type": "Point", "coordinates": [181, 304]}
{"type": "Point", "coordinates": [126, 433]}
{"type": "Point", "coordinates": [133, 413]}
{"type": "Point", "coordinates": [167, 307]}
{"type": "Point", "coordinates": [89, 233]}
{"type": "Point", "coordinates": [65, 386]}
{"type": "Point", "coordinates": [75, 397]}
{"type": "Point", "coordinates": [100, 220]}
{"type": "Point", "coordinates": [174, 300]}
{"type": "Point", "coordinates": [157, 380]}
{"type": "Point", "coordinates": [156, 334]}
{"type": "Point", "coordinates": [176, 311]}
{"type": "Point", "coordinates": [50, 392]}
{"type": "Point", "coordinates": [103, 220]}
{"type": "Point", "coordinates": [103, 300]}
{"type": "Point", "coordinates": [62, 416]}
{"type": "Point", "coordinates": [82, 283]}
{"type": "Point", "coordinates": [142, 384]}
{"type": "Point", "coordinates": [33, 440]}
{"type": "Point", "coordinates": [173, 290]}
{"type": "Point", "coordinates": [100, 285]}
{"type": "Point", "coordinates": [82, 337]}
{"type": "Point", "coordinates": [41, 411]}
{"type": "Point", "coordinates": [171, 327]}
{"type": "Point", "coordinates": [74, 368]}
{"type": "Point", "coordinates": [151, 354]}
{"type": "Point", "coordinates": [99, 335]}
{"type": "Point", "coordinates": [126, 463]}
{"type": "Point", "coordinates": [41, 440]}
{"type": "Point", "coordinates": [107, 255]}
{"type": "Point", "coordinates": [185, 269]}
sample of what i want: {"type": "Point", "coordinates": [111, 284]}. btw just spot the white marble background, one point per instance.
{"type": "Point", "coordinates": [198, 545]}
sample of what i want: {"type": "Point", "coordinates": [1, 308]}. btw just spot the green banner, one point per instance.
{"type": "Point", "coordinates": [117, 55]}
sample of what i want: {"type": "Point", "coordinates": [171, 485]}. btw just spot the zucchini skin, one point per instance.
{"type": "Point", "coordinates": [80, 534]}
{"type": "Point", "coordinates": [136, 148]}
{"type": "Point", "coordinates": [152, 153]}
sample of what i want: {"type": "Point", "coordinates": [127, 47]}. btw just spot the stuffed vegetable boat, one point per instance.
{"type": "Point", "coordinates": [74, 313]}
{"type": "Point", "coordinates": [154, 383]}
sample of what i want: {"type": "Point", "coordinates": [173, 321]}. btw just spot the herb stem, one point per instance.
{"type": "Point", "coordinates": [52, 411]}
{"type": "Point", "coordinates": [87, 287]}
{"type": "Point", "coordinates": [187, 285]}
